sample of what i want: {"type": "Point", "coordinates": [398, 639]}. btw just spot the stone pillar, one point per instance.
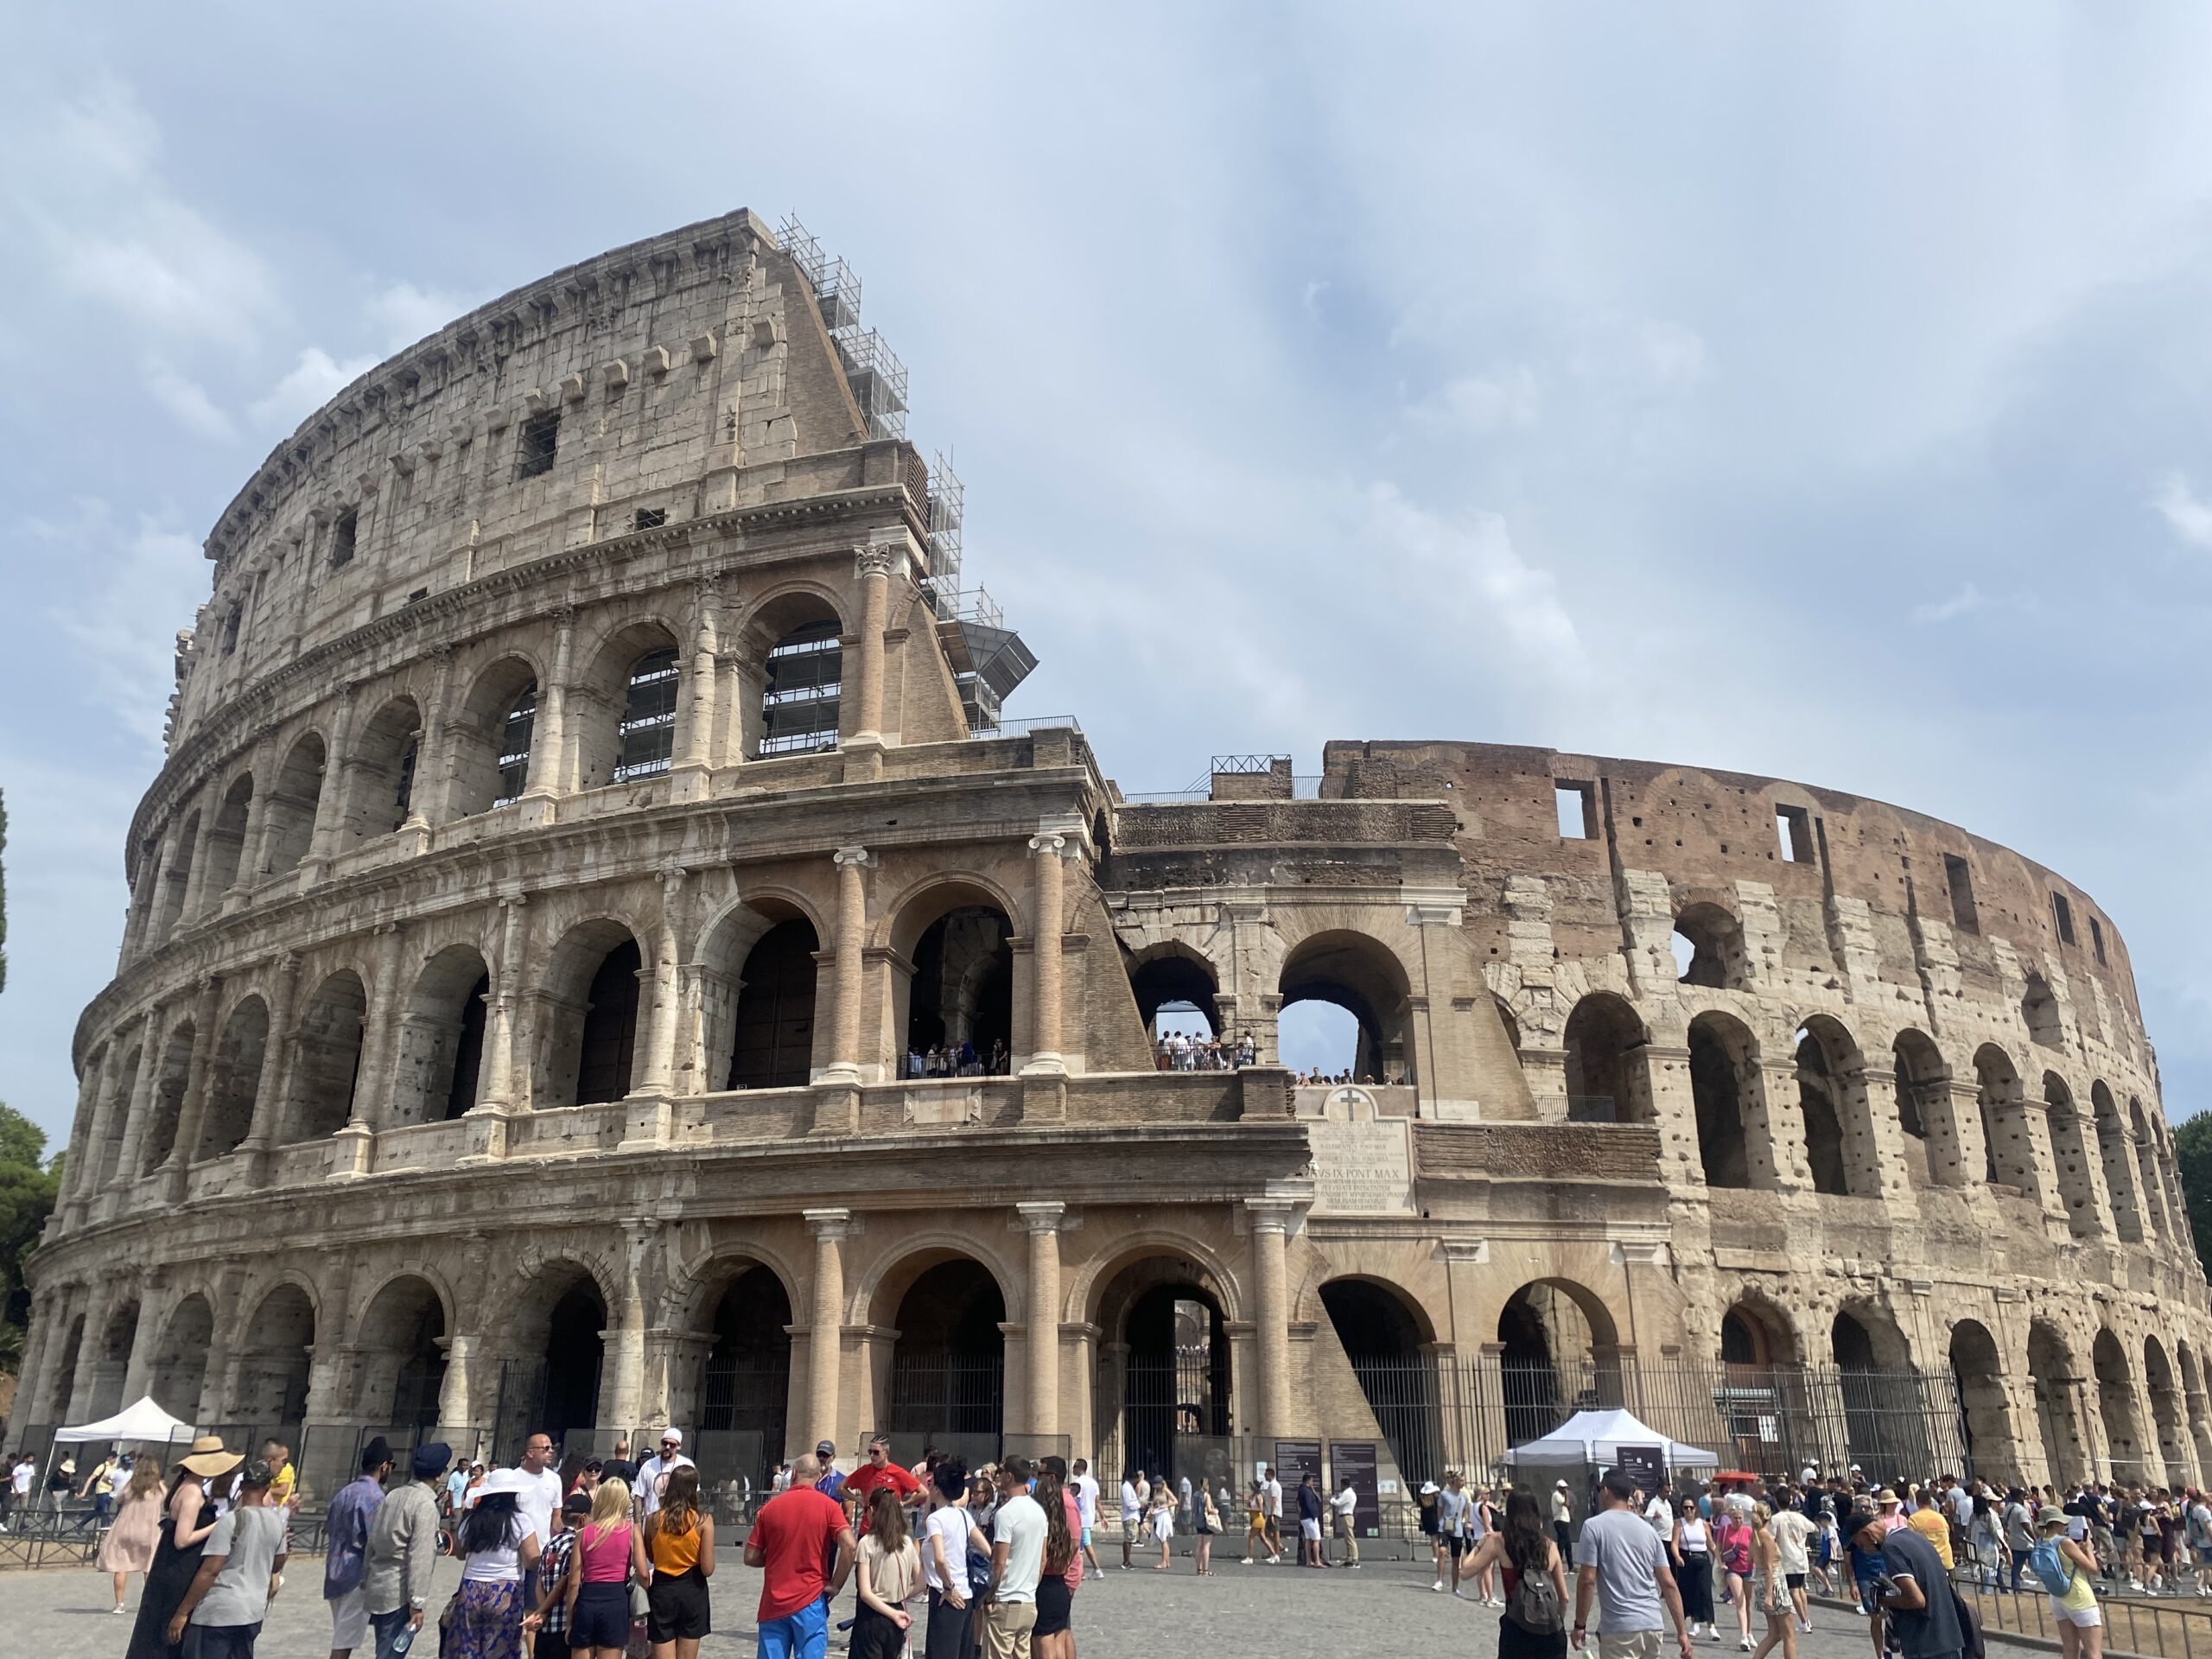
{"type": "Point", "coordinates": [276, 1067]}
{"type": "Point", "coordinates": [1046, 850]}
{"type": "Point", "coordinates": [153, 1040]}
{"type": "Point", "coordinates": [99, 1303]}
{"type": "Point", "coordinates": [873, 567]}
{"type": "Point", "coordinates": [852, 936]}
{"type": "Point", "coordinates": [49, 1340]}
{"type": "Point", "coordinates": [1270, 1221]}
{"type": "Point", "coordinates": [96, 1110]}
{"type": "Point", "coordinates": [504, 1069]}
{"type": "Point", "coordinates": [256, 825]}
{"type": "Point", "coordinates": [696, 753]}
{"type": "Point", "coordinates": [1962, 1103]}
{"type": "Point", "coordinates": [194, 1111]}
{"type": "Point", "coordinates": [625, 1343]}
{"type": "Point", "coordinates": [454, 1389]}
{"type": "Point", "coordinates": [1042, 1338]}
{"type": "Point", "coordinates": [39, 1343]}
{"type": "Point", "coordinates": [825, 1331]}
{"type": "Point", "coordinates": [660, 1049]}
{"type": "Point", "coordinates": [330, 1363]}
{"type": "Point", "coordinates": [138, 1369]}
{"type": "Point", "coordinates": [548, 737]}
{"type": "Point", "coordinates": [195, 881]}
{"type": "Point", "coordinates": [330, 804]}
{"type": "Point", "coordinates": [372, 1107]}
{"type": "Point", "coordinates": [433, 764]}
{"type": "Point", "coordinates": [1768, 1094]}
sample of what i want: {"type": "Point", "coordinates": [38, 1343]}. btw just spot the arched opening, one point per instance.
{"type": "Point", "coordinates": [1557, 1356]}
{"type": "Point", "coordinates": [574, 1346]}
{"type": "Point", "coordinates": [65, 1370]}
{"type": "Point", "coordinates": [1709, 947]}
{"type": "Point", "coordinates": [948, 1364]}
{"type": "Point", "coordinates": [1924, 1101]}
{"type": "Point", "coordinates": [1164, 1398]}
{"type": "Point", "coordinates": [772, 1027]}
{"type": "Point", "coordinates": [1831, 1092]}
{"type": "Point", "coordinates": [801, 689]}
{"type": "Point", "coordinates": [168, 1105]}
{"type": "Point", "coordinates": [1389, 1352]}
{"type": "Point", "coordinates": [274, 1348]}
{"type": "Point", "coordinates": [1175, 990]}
{"type": "Point", "coordinates": [287, 820]}
{"type": "Point", "coordinates": [380, 777]}
{"type": "Point", "coordinates": [2166, 1415]}
{"type": "Point", "coordinates": [235, 1082]}
{"type": "Point", "coordinates": [2039, 1013]}
{"type": "Point", "coordinates": [441, 1058]}
{"type": "Point", "coordinates": [1724, 1061]}
{"type": "Point", "coordinates": [2116, 1405]}
{"type": "Point", "coordinates": [226, 841]}
{"type": "Point", "coordinates": [2118, 1163]}
{"type": "Point", "coordinates": [1763, 1402]}
{"type": "Point", "coordinates": [588, 1016]}
{"type": "Point", "coordinates": [2196, 1407]}
{"type": "Point", "coordinates": [1606, 1078]}
{"type": "Point", "coordinates": [747, 1383]}
{"type": "Point", "coordinates": [2070, 1154]}
{"type": "Point", "coordinates": [179, 1367]}
{"type": "Point", "coordinates": [2009, 1157]}
{"type": "Point", "coordinates": [2051, 1378]}
{"type": "Point", "coordinates": [2149, 1185]}
{"type": "Point", "coordinates": [1882, 1404]}
{"type": "Point", "coordinates": [327, 1057]}
{"type": "Point", "coordinates": [1753, 1339]}
{"type": "Point", "coordinates": [113, 1361]}
{"type": "Point", "coordinates": [110, 1150]}
{"type": "Point", "coordinates": [622, 711]}
{"type": "Point", "coordinates": [403, 1356]}
{"type": "Point", "coordinates": [1358, 974]}
{"type": "Point", "coordinates": [492, 738]}
{"type": "Point", "coordinates": [957, 1009]}
{"type": "Point", "coordinates": [648, 729]}
{"type": "Point", "coordinates": [1984, 1419]}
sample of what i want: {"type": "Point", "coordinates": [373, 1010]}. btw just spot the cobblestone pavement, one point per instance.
{"type": "Point", "coordinates": [1385, 1608]}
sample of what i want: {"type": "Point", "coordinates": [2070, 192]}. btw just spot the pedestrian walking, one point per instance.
{"type": "Point", "coordinates": [1271, 1509]}
{"type": "Point", "coordinates": [1693, 1563]}
{"type": "Point", "coordinates": [402, 1550]}
{"type": "Point", "coordinates": [130, 1544]}
{"type": "Point", "coordinates": [1060, 1573]}
{"type": "Point", "coordinates": [498, 1552]}
{"type": "Point", "coordinates": [189, 1517]}
{"type": "Point", "coordinates": [1793, 1538]}
{"type": "Point", "coordinates": [345, 1563]}
{"type": "Point", "coordinates": [2064, 1569]}
{"type": "Point", "coordinates": [99, 1487]}
{"type": "Point", "coordinates": [796, 1533]}
{"type": "Point", "coordinates": [1255, 1526]}
{"type": "Point", "coordinates": [607, 1557]}
{"type": "Point", "coordinates": [1534, 1570]}
{"type": "Point", "coordinates": [680, 1546]}
{"type": "Point", "coordinates": [1623, 1569]}
{"type": "Point", "coordinates": [1453, 1504]}
{"type": "Point", "coordinates": [1913, 1599]}
{"type": "Point", "coordinates": [1018, 1532]}
{"type": "Point", "coordinates": [1770, 1588]}
{"type": "Point", "coordinates": [242, 1566]}
{"type": "Point", "coordinates": [1731, 1548]}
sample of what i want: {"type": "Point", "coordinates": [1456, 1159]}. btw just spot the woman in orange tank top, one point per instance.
{"type": "Point", "coordinates": [680, 1544]}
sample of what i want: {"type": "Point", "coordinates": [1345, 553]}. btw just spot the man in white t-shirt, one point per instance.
{"type": "Point", "coordinates": [20, 1478]}
{"type": "Point", "coordinates": [1271, 1508]}
{"type": "Point", "coordinates": [1017, 1562]}
{"type": "Point", "coordinates": [1342, 1508]}
{"type": "Point", "coordinates": [1660, 1515]}
{"type": "Point", "coordinates": [540, 1495]}
{"type": "Point", "coordinates": [1086, 1502]}
{"type": "Point", "coordinates": [653, 1472]}
{"type": "Point", "coordinates": [1793, 1537]}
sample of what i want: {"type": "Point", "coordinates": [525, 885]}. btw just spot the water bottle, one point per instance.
{"type": "Point", "coordinates": [404, 1640]}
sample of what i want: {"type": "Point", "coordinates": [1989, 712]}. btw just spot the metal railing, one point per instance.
{"type": "Point", "coordinates": [2160, 1629]}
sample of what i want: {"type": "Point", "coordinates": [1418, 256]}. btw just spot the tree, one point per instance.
{"type": "Point", "coordinates": [27, 1189]}
{"type": "Point", "coordinates": [2193, 1153]}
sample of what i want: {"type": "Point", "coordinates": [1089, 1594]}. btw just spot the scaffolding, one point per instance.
{"type": "Point", "coordinates": [873, 370]}
{"type": "Point", "coordinates": [948, 499]}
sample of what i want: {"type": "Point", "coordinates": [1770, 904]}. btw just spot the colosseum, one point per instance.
{"type": "Point", "coordinates": [589, 815]}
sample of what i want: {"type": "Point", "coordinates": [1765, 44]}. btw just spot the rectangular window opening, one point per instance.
{"type": "Point", "coordinates": [230, 629]}
{"type": "Point", "coordinates": [1578, 810]}
{"type": "Point", "coordinates": [2063, 913]}
{"type": "Point", "coordinates": [1963, 915]}
{"type": "Point", "coordinates": [541, 438]}
{"type": "Point", "coordinates": [2097, 940]}
{"type": "Point", "coordinates": [651, 518]}
{"type": "Point", "coordinates": [1793, 826]}
{"type": "Point", "coordinates": [341, 536]}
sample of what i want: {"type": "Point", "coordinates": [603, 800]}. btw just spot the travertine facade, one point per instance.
{"type": "Point", "coordinates": [572, 821]}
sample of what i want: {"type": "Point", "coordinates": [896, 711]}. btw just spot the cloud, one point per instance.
{"type": "Point", "coordinates": [1967, 600]}
{"type": "Point", "coordinates": [314, 381]}
{"type": "Point", "coordinates": [187, 404]}
{"type": "Point", "coordinates": [2187, 516]}
{"type": "Point", "coordinates": [1472, 580]}
{"type": "Point", "coordinates": [403, 314]}
{"type": "Point", "coordinates": [1481, 404]}
{"type": "Point", "coordinates": [141, 584]}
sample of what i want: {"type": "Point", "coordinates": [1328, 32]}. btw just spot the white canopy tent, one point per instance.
{"type": "Point", "coordinates": [1596, 1437]}
{"type": "Point", "coordinates": [144, 1421]}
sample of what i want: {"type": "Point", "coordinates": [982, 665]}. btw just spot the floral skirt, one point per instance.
{"type": "Point", "coordinates": [486, 1623]}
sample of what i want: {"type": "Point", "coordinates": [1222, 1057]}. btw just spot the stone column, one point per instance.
{"type": "Point", "coordinates": [1270, 1221]}
{"type": "Point", "coordinates": [660, 1049]}
{"type": "Point", "coordinates": [626, 1383]}
{"type": "Point", "coordinates": [195, 881]}
{"type": "Point", "coordinates": [548, 737]}
{"type": "Point", "coordinates": [852, 935]}
{"type": "Point", "coordinates": [329, 1363]}
{"type": "Point", "coordinates": [257, 824]}
{"type": "Point", "coordinates": [96, 1109]}
{"type": "Point", "coordinates": [276, 1067]}
{"type": "Point", "coordinates": [1771, 1112]}
{"type": "Point", "coordinates": [502, 1065]}
{"type": "Point", "coordinates": [454, 1389]}
{"type": "Point", "coordinates": [1968, 1144]}
{"type": "Point", "coordinates": [1046, 850]}
{"type": "Point", "coordinates": [825, 1331]}
{"type": "Point", "coordinates": [433, 765]}
{"type": "Point", "coordinates": [873, 567]}
{"type": "Point", "coordinates": [99, 1303]}
{"type": "Point", "coordinates": [1042, 1339]}
{"type": "Point", "coordinates": [150, 1045]}
{"type": "Point", "coordinates": [42, 1364]}
{"type": "Point", "coordinates": [323, 844]}
{"type": "Point", "coordinates": [38, 1343]}
{"type": "Point", "coordinates": [194, 1109]}
{"type": "Point", "coordinates": [138, 1369]}
{"type": "Point", "coordinates": [696, 753]}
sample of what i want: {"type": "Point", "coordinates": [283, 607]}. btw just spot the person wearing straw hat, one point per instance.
{"type": "Point", "coordinates": [241, 1568]}
{"type": "Point", "coordinates": [189, 1518]}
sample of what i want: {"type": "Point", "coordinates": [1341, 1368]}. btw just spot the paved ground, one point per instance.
{"type": "Point", "coordinates": [1385, 1608]}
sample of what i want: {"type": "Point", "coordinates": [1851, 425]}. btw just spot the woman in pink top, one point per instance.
{"type": "Point", "coordinates": [1731, 1542]}
{"type": "Point", "coordinates": [609, 1556]}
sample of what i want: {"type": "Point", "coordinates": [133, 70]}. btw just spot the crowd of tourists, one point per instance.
{"type": "Point", "coordinates": [1183, 1051]}
{"type": "Point", "coordinates": [960, 1060]}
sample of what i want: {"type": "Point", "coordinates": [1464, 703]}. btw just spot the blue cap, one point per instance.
{"type": "Point", "coordinates": [431, 1459]}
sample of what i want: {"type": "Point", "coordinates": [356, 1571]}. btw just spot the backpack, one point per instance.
{"type": "Point", "coordinates": [1534, 1603]}
{"type": "Point", "coordinates": [2053, 1568]}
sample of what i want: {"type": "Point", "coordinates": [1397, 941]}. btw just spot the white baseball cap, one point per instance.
{"type": "Point", "coordinates": [675, 1434]}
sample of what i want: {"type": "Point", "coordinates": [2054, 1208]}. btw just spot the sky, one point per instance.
{"type": "Point", "coordinates": [1816, 391]}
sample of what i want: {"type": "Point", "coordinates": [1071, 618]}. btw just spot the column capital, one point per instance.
{"type": "Point", "coordinates": [1041, 1217]}
{"type": "Point", "coordinates": [850, 858]}
{"type": "Point", "coordinates": [1270, 1215]}
{"type": "Point", "coordinates": [880, 559]}
{"type": "Point", "coordinates": [1049, 846]}
{"type": "Point", "coordinates": [829, 1224]}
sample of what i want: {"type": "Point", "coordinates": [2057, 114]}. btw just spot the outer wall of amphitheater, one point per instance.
{"type": "Point", "coordinates": [586, 799]}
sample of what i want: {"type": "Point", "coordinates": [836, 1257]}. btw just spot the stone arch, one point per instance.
{"type": "Point", "coordinates": [235, 1082]}
{"type": "Point", "coordinates": [109, 1152]}
{"type": "Point", "coordinates": [1756, 1333]}
{"type": "Point", "coordinates": [326, 1058]}
{"type": "Point", "coordinates": [743, 1388]}
{"type": "Point", "coordinates": [625, 711]}
{"type": "Point", "coordinates": [1165, 1376]}
{"type": "Point", "coordinates": [288, 816]}
{"type": "Point", "coordinates": [273, 1349]}
{"type": "Point", "coordinates": [2123, 1443]}
{"type": "Point", "coordinates": [404, 1327]}
{"type": "Point", "coordinates": [179, 1367]}
{"type": "Point", "coordinates": [725, 947]}
{"type": "Point", "coordinates": [2167, 1412]}
{"type": "Point", "coordinates": [1090, 1292]}
{"type": "Point", "coordinates": [2158, 1219]}
{"type": "Point", "coordinates": [439, 1069]}
{"type": "Point", "coordinates": [952, 979]}
{"type": "Point", "coordinates": [556, 1339]}
{"type": "Point", "coordinates": [2057, 1388]}
{"type": "Point", "coordinates": [168, 1104]}
{"type": "Point", "coordinates": [380, 774]}
{"type": "Point", "coordinates": [2039, 1014]}
{"type": "Point", "coordinates": [1871, 1354]}
{"type": "Point", "coordinates": [176, 875]}
{"type": "Point", "coordinates": [1709, 946]}
{"type": "Point", "coordinates": [112, 1362]}
{"type": "Point", "coordinates": [588, 1010]}
{"type": "Point", "coordinates": [2070, 1153]}
{"type": "Point", "coordinates": [772, 1027]}
{"type": "Point", "coordinates": [792, 642]}
{"type": "Point", "coordinates": [2117, 1161]}
{"type": "Point", "coordinates": [2010, 1156]}
{"type": "Point", "coordinates": [948, 1361]}
{"type": "Point", "coordinates": [491, 736]}
{"type": "Point", "coordinates": [1559, 1353]}
{"type": "Point", "coordinates": [1363, 976]}
{"type": "Point", "coordinates": [1923, 1089]}
{"type": "Point", "coordinates": [1724, 1069]}
{"type": "Point", "coordinates": [1389, 1338]}
{"type": "Point", "coordinates": [2195, 1405]}
{"type": "Point", "coordinates": [226, 840]}
{"type": "Point", "coordinates": [1173, 973]}
{"type": "Point", "coordinates": [1985, 1411]}
{"type": "Point", "coordinates": [1831, 1093]}
{"type": "Point", "coordinates": [1607, 1080]}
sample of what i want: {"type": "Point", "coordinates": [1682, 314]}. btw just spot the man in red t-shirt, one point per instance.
{"type": "Point", "coordinates": [880, 1471]}
{"type": "Point", "coordinates": [791, 1538]}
